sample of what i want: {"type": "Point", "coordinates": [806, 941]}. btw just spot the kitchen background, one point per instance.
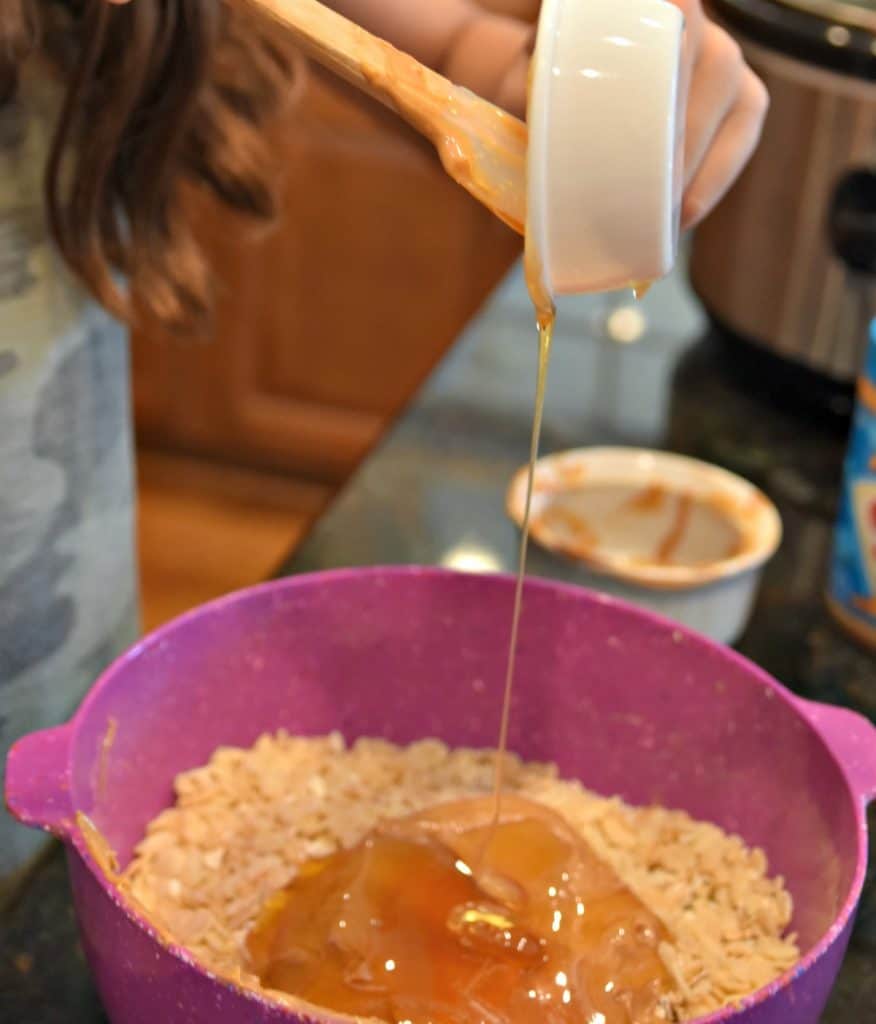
{"type": "Point", "coordinates": [327, 326]}
{"type": "Point", "coordinates": [324, 328]}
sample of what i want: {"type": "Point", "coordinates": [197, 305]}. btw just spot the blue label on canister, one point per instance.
{"type": "Point", "coordinates": [853, 577]}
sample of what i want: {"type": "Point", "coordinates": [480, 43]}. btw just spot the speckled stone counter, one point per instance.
{"type": "Point", "coordinates": [433, 492]}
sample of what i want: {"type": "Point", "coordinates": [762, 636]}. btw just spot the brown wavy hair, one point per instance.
{"type": "Point", "coordinates": [159, 95]}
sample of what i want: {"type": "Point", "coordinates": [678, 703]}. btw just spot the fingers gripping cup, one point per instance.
{"type": "Point", "coordinates": [606, 122]}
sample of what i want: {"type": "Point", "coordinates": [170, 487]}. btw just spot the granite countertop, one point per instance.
{"type": "Point", "coordinates": [433, 492]}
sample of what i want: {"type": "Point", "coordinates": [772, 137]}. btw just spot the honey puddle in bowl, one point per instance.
{"type": "Point", "coordinates": [404, 927]}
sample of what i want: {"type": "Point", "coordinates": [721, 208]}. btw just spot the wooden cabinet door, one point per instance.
{"type": "Point", "coordinates": [326, 323]}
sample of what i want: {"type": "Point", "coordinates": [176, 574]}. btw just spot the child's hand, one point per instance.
{"type": "Point", "coordinates": [727, 105]}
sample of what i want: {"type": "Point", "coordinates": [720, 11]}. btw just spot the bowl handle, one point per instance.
{"type": "Point", "coordinates": [852, 738]}
{"type": "Point", "coordinates": [38, 781]}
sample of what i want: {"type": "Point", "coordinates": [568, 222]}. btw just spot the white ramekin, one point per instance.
{"type": "Point", "coordinates": [714, 597]}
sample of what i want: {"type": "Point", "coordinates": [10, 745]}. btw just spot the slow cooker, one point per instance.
{"type": "Point", "coordinates": [787, 261]}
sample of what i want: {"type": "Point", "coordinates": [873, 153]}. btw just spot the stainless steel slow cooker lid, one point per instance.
{"type": "Point", "coordinates": [836, 34]}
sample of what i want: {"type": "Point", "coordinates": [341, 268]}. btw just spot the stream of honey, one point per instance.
{"type": "Point", "coordinates": [545, 337]}
{"type": "Point", "coordinates": [491, 910]}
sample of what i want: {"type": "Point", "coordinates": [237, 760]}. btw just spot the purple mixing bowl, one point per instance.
{"type": "Point", "coordinates": [625, 701]}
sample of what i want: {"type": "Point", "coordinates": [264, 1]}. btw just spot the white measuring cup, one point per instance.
{"type": "Point", "coordinates": [596, 179]}
{"type": "Point", "coordinates": [606, 129]}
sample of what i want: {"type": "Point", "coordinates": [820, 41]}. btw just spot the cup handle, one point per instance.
{"type": "Point", "coordinates": [38, 781]}
{"type": "Point", "coordinates": [852, 738]}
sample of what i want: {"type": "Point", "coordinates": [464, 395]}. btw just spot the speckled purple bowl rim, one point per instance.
{"type": "Point", "coordinates": [317, 1015]}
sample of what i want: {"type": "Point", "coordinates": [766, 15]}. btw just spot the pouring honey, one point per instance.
{"type": "Point", "coordinates": [490, 910]}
